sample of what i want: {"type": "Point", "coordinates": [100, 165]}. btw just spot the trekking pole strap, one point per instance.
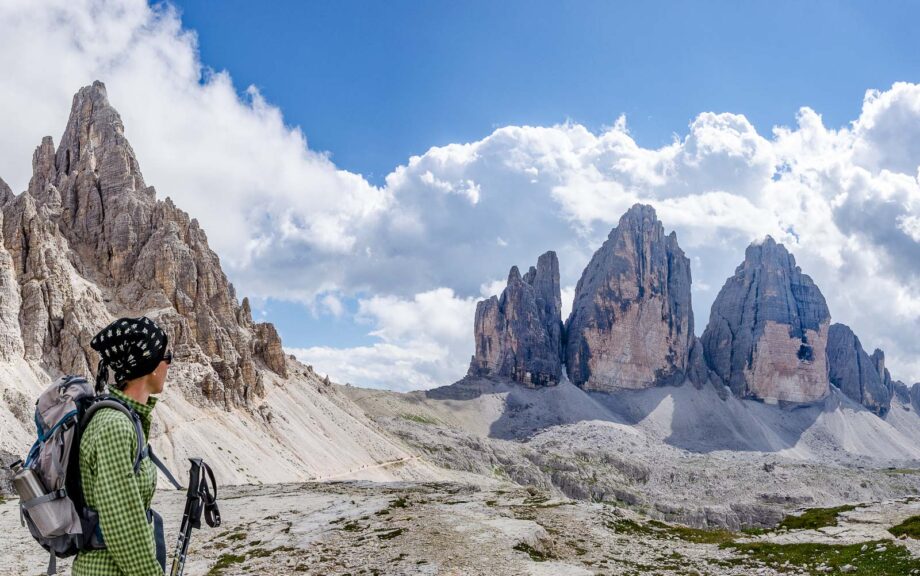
{"type": "Point", "coordinates": [211, 511]}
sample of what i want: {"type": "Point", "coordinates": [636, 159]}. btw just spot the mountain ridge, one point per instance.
{"type": "Point", "coordinates": [88, 241]}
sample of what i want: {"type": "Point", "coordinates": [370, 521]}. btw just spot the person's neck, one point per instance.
{"type": "Point", "coordinates": [137, 392]}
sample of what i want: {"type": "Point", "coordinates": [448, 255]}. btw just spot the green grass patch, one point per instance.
{"type": "Point", "coordinates": [896, 471]}
{"type": "Point", "coordinates": [500, 473]}
{"type": "Point", "coordinates": [259, 553]}
{"type": "Point", "coordinates": [225, 561]}
{"type": "Point", "coordinates": [696, 535]}
{"type": "Point", "coordinates": [534, 554]}
{"type": "Point", "coordinates": [814, 518]}
{"type": "Point", "coordinates": [627, 526]}
{"type": "Point", "coordinates": [894, 561]}
{"type": "Point", "coordinates": [656, 529]}
{"type": "Point", "coordinates": [418, 418]}
{"type": "Point", "coordinates": [400, 502]}
{"type": "Point", "coordinates": [909, 528]}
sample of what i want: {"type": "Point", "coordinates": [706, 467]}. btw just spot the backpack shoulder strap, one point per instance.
{"type": "Point", "coordinates": [109, 402]}
{"type": "Point", "coordinates": [159, 464]}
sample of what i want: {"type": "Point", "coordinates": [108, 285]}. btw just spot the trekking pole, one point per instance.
{"type": "Point", "coordinates": [198, 498]}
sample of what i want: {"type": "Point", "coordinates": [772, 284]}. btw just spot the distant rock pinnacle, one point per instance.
{"type": "Point", "coordinates": [631, 324]}
{"type": "Point", "coordinates": [859, 376]}
{"type": "Point", "coordinates": [89, 241]}
{"type": "Point", "coordinates": [519, 334]}
{"type": "Point", "coordinates": [768, 329]}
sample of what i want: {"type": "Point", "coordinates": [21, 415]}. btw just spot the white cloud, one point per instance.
{"type": "Point", "coordinates": [424, 342]}
{"type": "Point", "coordinates": [568, 300]}
{"type": "Point", "coordinates": [418, 251]}
{"type": "Point", "coordinates": [333, 304]}
{"type": "Point", "coordinates": [230, 161]}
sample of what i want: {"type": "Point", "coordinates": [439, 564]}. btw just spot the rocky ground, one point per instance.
{"type": "Point", "coordinates": [676, 454]}
{"type": "Point", "coordinates": [354, 528]}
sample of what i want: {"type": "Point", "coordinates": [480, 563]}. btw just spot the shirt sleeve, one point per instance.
{"type": "Point", "coordinates": [122, 516]}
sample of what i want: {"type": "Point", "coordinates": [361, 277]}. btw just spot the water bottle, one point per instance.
{"type": "Point", "coordinates": [26, 482]}
{"type": "Point", "coordinates": [29, 486]}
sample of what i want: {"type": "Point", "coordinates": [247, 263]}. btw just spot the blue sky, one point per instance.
{"type": "Point", "coordinates": [367, 171]}
{"type": "Point", "coordinates": [374, 83]}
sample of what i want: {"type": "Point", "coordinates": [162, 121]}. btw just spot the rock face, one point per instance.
{"type": "Point", "coordinates": [519, 334]}
{"type": "Point", "coordinates": [768, 329]}
{"type": "Point", "coordinates": [89, 241]}
{"type": "Point", "coordinates": [915, 396]}
{"type": "Point", "coordinates": [900, 391]}
{"type": "Point", "coordinates": [878, 360]}
{"type": "Point", "coordinates": [631, 324]}
{"type": "Point", "coordinates": [859, 376]}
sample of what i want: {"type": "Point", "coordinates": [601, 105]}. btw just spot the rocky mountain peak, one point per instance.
{"type": "Point", "coordinates": [5, 193]}
{"type": "Point", "coordinates": [856, 373]}
{"type": "Point", "coordinates": [878, 360]}
{"type": "Point", "coordinates": [768, 329]}
{"type": "Point", "coordinates": [519, 334]}
{"type": "Point", "coordinates": [89, 241]}
{"type": "Point", "coordinates": [631, 324]}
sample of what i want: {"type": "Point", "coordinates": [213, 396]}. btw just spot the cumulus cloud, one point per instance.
{"type": "Point", "coordinates": [843, 203]}
{"type": "Point", "coordinates": [227, 159]}
{"type": "Point", "coordinates": [448, 224]}
{"type": "Point", "coordinates": [425, 341]}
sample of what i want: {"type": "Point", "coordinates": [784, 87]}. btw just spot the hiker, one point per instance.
{"type": "Point", "coordinates": [136, 351]}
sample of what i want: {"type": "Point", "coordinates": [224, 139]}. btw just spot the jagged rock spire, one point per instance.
{"type": "Point", "coordinates": [768, 328]}
{"type": "Point", "coordinates": [519, 335]}
{"type": "Point", "coordinates": [89, 241]}
{"type": "Point", "coordinates": [631, 324]}
{"type": "Point", "coordinates": [858, 375]}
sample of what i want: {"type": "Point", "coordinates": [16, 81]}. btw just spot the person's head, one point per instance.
{"type": "Point", "coordinates": [137, 352]}
{"type": "Point", "coordinates": [151, 383]}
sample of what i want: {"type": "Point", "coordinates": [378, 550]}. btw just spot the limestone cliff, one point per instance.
{"type": "Point", "coordinates": [857, 374]}
{"type": "Point", "coordinates": [89, 241]}
{"type": "Point", "coordinates": [631, 324]}
{"type": "Point", "coordinates": [519, 334]}
{"type": "Point", "coordinates": [768, 329]}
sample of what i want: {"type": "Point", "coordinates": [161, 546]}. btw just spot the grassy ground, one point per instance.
{"type": "Point", "coordinates": [814, 518]}
{"type": "Point", "coordinates": [418, 418]}
{"type": "Point", "coordinates": [909, 527]}
{"type": "Point", "coordinates": [881, 558]}
{"type": "Point", "coordinates": [877, 558]}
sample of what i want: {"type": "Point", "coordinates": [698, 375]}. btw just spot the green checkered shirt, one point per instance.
{"type": "Point", "coordinates": [121, 498]}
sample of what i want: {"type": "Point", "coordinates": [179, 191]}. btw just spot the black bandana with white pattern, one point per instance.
{"type": "Point", "coordinates": [131, 347]}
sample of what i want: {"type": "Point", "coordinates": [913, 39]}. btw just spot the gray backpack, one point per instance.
{"type": "Point", "coordinates": [59, 519]}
